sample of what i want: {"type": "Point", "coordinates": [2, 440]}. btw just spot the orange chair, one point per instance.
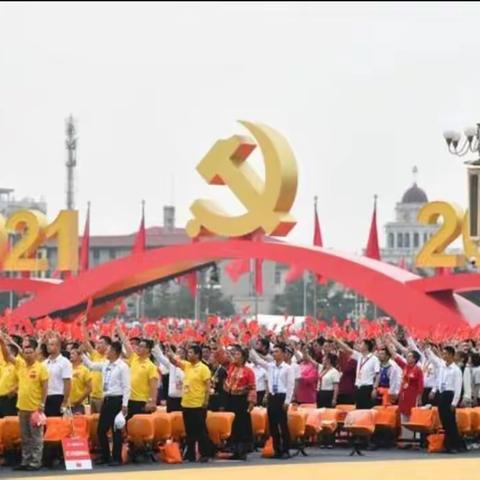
{"type": "Point", "coordinates": [92, 428]}
{"type": "Point", "coordinates": [464, 423]}
{"type": "Point", "coordinates": [423, 420]}
{"type": "Point", "coordinates": [475, 421]}
{"type": "Point", "coordinates": [1, 433]}
{"type": "Point", "coordinates": [329, 421]}
{"type": "Point", "coordinates": [80, 426]}
{"type": "Point", "coordinates": [162, 427]}
{"type": "Point", "coordinates": [313, 424]}
{"type": "Point", "coordinates": [343, 411]}
{"type": "Point", "coordinates": [11, 438]}
{"type": "Point", "coordinates": [360, 424]}
{"type": "Point", "coordinates": [57, 429]}
{"type": "Point", "coordinates": [140, 434]}
{"type": "Point", "coordinates": [178, 427]}
{"type": "Point", "coordinates": [387, 418]}
{"type": "Point", "coordinates": [140, 429]}
{"type": "Point", "coordinates": [259, 420]}
{"type": "Point", "coordinates": [297, 420]}
{"type": "Point", "coordinates": [219, 426]}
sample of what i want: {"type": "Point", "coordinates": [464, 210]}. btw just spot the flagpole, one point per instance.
{"type": "Point", "coordinates": [141, 308]}
{"type": "Point", "coordinates": [375, 312]}
{"type": "Point", "coordinates": [255, 294]}
{"type": "Point", "coordinates": [304, 293]}
{"type": "Point", "coordinates": [313, 276]}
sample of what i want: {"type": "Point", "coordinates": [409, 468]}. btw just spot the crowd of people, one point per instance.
{"type": "Point", "coordinates": [223, 365]}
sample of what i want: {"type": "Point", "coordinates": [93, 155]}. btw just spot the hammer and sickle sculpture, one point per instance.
{"type": "Point", "coordinates": [267, 202]}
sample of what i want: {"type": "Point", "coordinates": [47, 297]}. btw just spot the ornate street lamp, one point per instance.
{"type": "Point", "coordinates": [471, 143]}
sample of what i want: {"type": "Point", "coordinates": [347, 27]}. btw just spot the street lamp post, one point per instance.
{"type": "Point", "coordinates": [470, 144]}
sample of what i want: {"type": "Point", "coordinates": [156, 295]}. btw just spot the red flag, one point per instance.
{"type": "Point", "coordinates": [258, 267]}
{"type": "Point", "coordinates": [85, 247]}
{"type": "Point", "coordinates": [140, 239]}
{"type": "Point", "coordinates": [190, 281]}
{"type": "Point", "coordinates": [293, 274]}
{"type": "Point", "coordinates": [317, 236]}
{"type": "Point", "coordinates": [259, 276]}
{"type": "Point", "coordinates": [373, 250]}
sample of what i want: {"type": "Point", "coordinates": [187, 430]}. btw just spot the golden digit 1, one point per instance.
{"type": "Point", "coordinates": [432, 253]}
{"type": "Point", "coordinates": [65, 229]}
{"type": "Point", "coordinates": [31, 224]}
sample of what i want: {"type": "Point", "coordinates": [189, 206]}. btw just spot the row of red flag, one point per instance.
{"type": "Point", "coordinates": [230, 330]}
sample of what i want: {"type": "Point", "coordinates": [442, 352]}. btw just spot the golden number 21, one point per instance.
{"type": "Point", "coordinates": [33, 227]}
{"type": "Point", "coordinates": [454, 224]}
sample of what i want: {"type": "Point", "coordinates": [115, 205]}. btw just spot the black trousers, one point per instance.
{"type": "Point", "coordinates": [135, 407]}
{"type": "Point", "coordinates": [345, 399]}
{"type": "Point", "coordinates": [196, 432]}
{"type": "Point", "coordinates": [278, 423]}
{"type": "Point", "coordinates": [426, 397]}
{"type": "Point", "coordinates": [53, 404]}
{"type": "Point", "coordinates": [111, 406]}
{"type": "Point", "coordinates": [242, 434]}
{"type": "Point", "coordinates": [324, 398]}
{"type": "Point", "coordinates": [260, 397]}
{"type": "Point", "coordinates": [453, 440]}
{"type": "Point", "coordinates": [174, 404]}
{"type": "Point", "coordinates": [363, 397]}
{"type": "Point", "coordinates": [8, 406]}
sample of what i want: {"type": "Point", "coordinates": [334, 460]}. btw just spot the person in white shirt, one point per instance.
{"type": "Point", "coordinates": [475, 360]}
{"type": "Point", "coordinates": [328, 380]}
{"type": "Point", "coordinates": [175, 377]}
{"type": "Point", "coordinates": [116, 394]}
{"type": "Point", "coordinates": [368, 369]}
{"type": "Point", "coordinates": [281, 384]}
{"type": "Point", "coordinates": [260, 381]}
{"type": "Point", "coordinates": [450, 388]}
{"type": "Point", "coordinates": [60, 374]}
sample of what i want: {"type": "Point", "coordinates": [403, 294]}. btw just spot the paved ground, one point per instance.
{"type": "Point", "coordinates": [386, 465]}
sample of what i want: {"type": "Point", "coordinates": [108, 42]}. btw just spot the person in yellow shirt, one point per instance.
{"type": "Point", "coordinates": [144, 376]}
{"type": "Point", "coordinates": [32, 393]}
{"type": "Point", "coordinates": [196, 391]}
{"type": "Point", "coordinates": [81, 381]}
{"type": "Point", "coordinates": [8, 385]}
{"type": "Point", "coordinates": [97, 355]}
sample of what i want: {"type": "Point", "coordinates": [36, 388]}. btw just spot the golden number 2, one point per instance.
{"type": "Point", "coordinates": [31, 224]}
{"type": "Point", "coordinates": [65, 229]}
{"type": "Point", "coordinates": [432, 254]}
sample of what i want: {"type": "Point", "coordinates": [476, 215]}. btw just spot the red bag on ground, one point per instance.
{"type": "Point", "coordinates": [170, 453]}
{"type": "Point", "coordinates": [267, 450]}
{"type": "Point", "coordinates": [435, 442]}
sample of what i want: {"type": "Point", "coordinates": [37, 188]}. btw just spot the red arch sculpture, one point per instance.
{"type": "Point", "coordinates": [405, 296]}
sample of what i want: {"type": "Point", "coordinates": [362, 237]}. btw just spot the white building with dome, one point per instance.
{"type": "Point", "coordinates": [404, 236]}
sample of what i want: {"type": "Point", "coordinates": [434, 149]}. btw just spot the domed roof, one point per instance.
{"type": "Point", "coordinates": [414, 195]}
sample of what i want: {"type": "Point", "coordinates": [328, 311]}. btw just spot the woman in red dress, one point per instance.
{"type": "Point", "coordinates": [241, 397]}
{"type": "Point", "coordinates": [412, 384]}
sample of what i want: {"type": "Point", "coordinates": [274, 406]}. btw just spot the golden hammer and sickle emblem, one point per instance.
{"type": "Point", "coordinates": [268, 202]}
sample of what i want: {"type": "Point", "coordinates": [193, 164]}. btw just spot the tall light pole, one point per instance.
{"type": "Point", "coordinates": [470, 144]}
{"type": "Point", "coordinates": [71, 163]}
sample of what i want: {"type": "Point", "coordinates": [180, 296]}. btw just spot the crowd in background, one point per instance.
{"type": "Point", "coordinates": [226, 365]}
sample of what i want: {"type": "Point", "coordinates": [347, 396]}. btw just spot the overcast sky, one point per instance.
{"type": "Point", "coordinates": [363, 93]}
